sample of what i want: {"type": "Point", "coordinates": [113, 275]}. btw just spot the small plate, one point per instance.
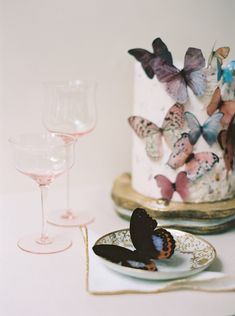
{"type": "Point", "coordinates": [192, 255]}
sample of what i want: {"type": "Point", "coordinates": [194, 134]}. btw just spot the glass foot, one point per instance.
{"type": "Point", "coordinates": [34, 244]}
{"type": "Point", "coordinates": [70, 218]}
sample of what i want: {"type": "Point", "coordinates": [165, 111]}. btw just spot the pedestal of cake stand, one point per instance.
{"type": "Point", "coordinates": [198, 218]}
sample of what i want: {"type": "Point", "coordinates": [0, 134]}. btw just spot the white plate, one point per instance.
{"type": "Point", "coordinates": [192, 255]}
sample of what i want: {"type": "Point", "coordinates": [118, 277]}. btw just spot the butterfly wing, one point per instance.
{"type": "Point", "coordinates": [153, 146]}
{"type": "Point", "coordinates": [182, 149]}
{"type": "Point", "coordinates": [228, 72]}
{"type": "Point", "coordinates": [222, 53]}
{"type": "Point", "coordinates": [160, 49]}
{"type": "Point", "coordinates": [143, 127]}
{"type": "Point", "coordinates": [219, 54]}
{"type": "Point", "coordinates": [222, 138]}
{"type": "Point", "coordinates": [200, 164]}
{"type": "Point", "coordinates": [215, 102]}
{"type": "Point", "coordinates": [177, 89]}
{"type": "Point", "coordinates": [210, 128]}
{"type": "Point", "coordinates": [173, 123]}
{"type": "Point", "coordinates": [164, 244]}
{"type": "Point", "coordinates": [144, 57]}
{"type": "Point", "coordinates": [227, 142]}
{"type": "Point", "coordinates": [195, 75]}
{"type": "Point", "coordinates": [196, 80]}
{"type": "Point", "coordinates": [150, 243]}
{"type": "Point", "coordinates": [194, 126]}
{"type": "Point", "coordinates": [141, 229]}
{"type": "Point", "coordinates": [193, 60]}
{"type": "Point", "coordinates": [113, 253]}
{"type": "Point", "coordinates": [166, 186]}
{"type": "Point", "coordinates": [181, 185]}
{"type": "Point", "coordinates": [172, 77]}
{"type": "Point", "coordinates": [174, 118]}
{"type": "Point", "coordinates": [150, 132]}
{"type": "Point", "coordinates": [124, 256]}
{"type": "Point", "coordinates": [228, 109]}
{"type": "Point", "coordinates": [163, 71]}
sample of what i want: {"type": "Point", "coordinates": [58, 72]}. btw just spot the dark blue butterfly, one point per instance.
{"type": "Point", "coordinates": [209, 130]}
{"type": "Point", "coordinates": [149, 241]}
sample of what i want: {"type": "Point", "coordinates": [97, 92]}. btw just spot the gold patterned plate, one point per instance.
{"type": "Point", "coordinates": [192, 255]}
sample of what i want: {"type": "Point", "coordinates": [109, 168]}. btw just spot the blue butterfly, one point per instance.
{"type": "Point", "coordinates": [209, 130]}
{"type": "Point", "coordinates": [228, 72]}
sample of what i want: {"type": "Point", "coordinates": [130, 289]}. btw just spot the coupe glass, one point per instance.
{"type": "Point", "coordinates": [43, 157]}
{"type": "Point", "coordinates": [70, 109]}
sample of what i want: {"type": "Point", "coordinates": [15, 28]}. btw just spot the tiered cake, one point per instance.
{"type": "Point", "coordinates": [183, 151]}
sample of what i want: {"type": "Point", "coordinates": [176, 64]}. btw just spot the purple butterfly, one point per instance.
{"type": "Point", "coordinates": [144, 57]}
{"type": "Point", "coordinates": [192, 75]}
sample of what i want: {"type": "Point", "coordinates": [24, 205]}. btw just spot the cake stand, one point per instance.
{"type": "Point", "coordinates": [197, 218]}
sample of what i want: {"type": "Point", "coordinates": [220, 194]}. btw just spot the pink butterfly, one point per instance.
{"type": "Point", "coordinates": [192, 75]}
{"type": "Point", "coordinates": [196, 164]}
{"type": "Point", "coordinates": [152, 134]}
{"type": "Point", "coordinates": [168, 188]}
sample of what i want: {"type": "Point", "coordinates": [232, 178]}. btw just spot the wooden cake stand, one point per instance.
{"type": "Point", "coordinates": [199, 218]}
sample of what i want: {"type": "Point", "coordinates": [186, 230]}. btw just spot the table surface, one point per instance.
{"type": "Point", "coordinates": [35, 285]}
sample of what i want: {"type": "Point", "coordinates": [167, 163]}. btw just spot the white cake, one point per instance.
{"type": "Point", "coordinates": [151, 101]}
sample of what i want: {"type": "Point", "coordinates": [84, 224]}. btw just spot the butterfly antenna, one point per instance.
{"type": "Point", "coordinates": [211, 55]}
{"type": "Point", "coordinates": [213, 47]}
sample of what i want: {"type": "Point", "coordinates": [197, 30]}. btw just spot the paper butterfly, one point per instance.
{"type": "Point", "coordinates": [192, 75]}
{"type": "Point", "coordinates": [196, 164]}
{"type": "Point", "coordinates": [144, 57]}
{"type": "Point", "coordinates": [226, 139]}
{"type": "Point", "coordinates": [217, 57]}
{"type": "Point", "coordinates": [228, 72]}
{"type": "Point", "coordinates": [209, 130]}
{"type": "Point", "coordinates": [150, 243]}
{"type": "Point", "coordinates": [152, 134]}
{"type": "Point", "coordinates": [168, 188]}
{"type": "Point", "coordinates": [227, 107]}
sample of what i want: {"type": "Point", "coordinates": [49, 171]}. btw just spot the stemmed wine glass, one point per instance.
{"type": "Point", "coordinates": [43, 157]}
{"type": "Point", "coordinates": [70, 109]}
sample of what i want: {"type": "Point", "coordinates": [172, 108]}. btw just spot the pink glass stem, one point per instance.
{"type": "Point", "coordinates": [44, 239]}
{"type": "Point", "coordinates": [68, 213]}
{"type": "Point", "coordinates": [68, 210]}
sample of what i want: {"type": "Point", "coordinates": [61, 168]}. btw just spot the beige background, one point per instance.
{"type": "Point", "coordinates": [67, 39]}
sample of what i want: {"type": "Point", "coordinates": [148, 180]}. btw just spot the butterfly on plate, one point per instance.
{"type": "Point", "coordinates": [168, 188]}
{"type": "Point", "coordinates": [177, 81]}
{"type": "Point", "coordinates": [144, 57]}
{"type": "Point", "coordinates": [196, 164]}
{"type": "Point", "coordinates": [152, 134]}
{"type": "Point", "coordinates": [227, 107]}
{"type": "Point", "coordinates": [150, 242]}
{"type": "Point", "coordinates": [216, 59]}
{"type": "Point", "coordinates": [226, 139]}
{"type": "Point", "coordinates": [209, 130]}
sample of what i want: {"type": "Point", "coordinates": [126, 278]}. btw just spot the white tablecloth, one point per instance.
{"type": "Point", "coordinates": [54, 285]}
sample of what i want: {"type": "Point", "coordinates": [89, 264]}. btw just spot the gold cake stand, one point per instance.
{"type": "Point", "coordinates": [198, 218]}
